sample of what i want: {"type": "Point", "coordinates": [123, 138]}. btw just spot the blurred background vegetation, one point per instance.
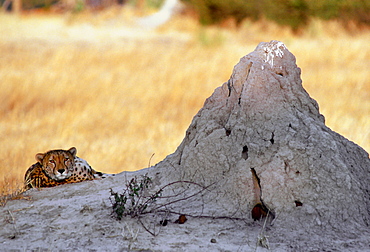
{"type": "Point", "coordinates": [292, 13]}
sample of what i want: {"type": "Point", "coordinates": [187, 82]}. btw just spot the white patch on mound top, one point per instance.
{"type": "Point", "coordinates": [272, 50]}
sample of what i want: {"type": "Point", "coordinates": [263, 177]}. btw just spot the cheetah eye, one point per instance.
{"type": "Point", "coordinates": [52, 161]}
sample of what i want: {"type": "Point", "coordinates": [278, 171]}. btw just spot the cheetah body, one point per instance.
{"type": "Point", "coordinates": [58, 167]}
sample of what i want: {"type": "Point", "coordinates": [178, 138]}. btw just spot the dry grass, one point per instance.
{"type": "Point", "coordinates": [120, 99]}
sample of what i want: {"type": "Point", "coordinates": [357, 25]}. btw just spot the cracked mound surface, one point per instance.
{"type": "Point", "coordinates": [263, 120]}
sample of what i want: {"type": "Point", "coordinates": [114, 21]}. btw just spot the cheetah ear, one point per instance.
{"type": "Point", "coordinates": [73, 151]}
{"type": "Point", "coordinates": [39, 157]}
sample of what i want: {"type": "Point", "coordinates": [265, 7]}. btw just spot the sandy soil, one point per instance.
{"type": "Point", "coordinates": [79, 217]}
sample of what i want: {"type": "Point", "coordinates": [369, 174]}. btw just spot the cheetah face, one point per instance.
{"type": "Point", "coordinates": [58, 164]}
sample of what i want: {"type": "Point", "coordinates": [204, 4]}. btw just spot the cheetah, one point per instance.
{"type": "Point", "coordinates": [58, 167]}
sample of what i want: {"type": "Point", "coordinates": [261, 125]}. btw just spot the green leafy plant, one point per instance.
{"type": "Point", "coordinates": [135, 199]}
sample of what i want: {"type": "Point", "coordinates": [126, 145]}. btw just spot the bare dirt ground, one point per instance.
{"type": "Point", "coordinates": [78, 217]}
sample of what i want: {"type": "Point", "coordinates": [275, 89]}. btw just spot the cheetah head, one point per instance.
{"type": "Point", "coordinates": [58, 164]}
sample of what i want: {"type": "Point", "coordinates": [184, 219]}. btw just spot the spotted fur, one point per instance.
{"type": "Point", "coordinates": [58, 167]}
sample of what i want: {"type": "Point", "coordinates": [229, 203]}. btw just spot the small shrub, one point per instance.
{"type": "Point", "coordinates": [215, 11]}
{"type": "Point", "coordinates": [135, 199]}
{"type": "Point", "coordinates": [292, 13]}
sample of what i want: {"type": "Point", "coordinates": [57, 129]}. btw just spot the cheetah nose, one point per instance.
{"type": "Point", "coordinates": [61, 171]}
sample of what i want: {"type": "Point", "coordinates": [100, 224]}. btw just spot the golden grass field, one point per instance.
{"type": "Point", "coordinates": [119, 99]}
